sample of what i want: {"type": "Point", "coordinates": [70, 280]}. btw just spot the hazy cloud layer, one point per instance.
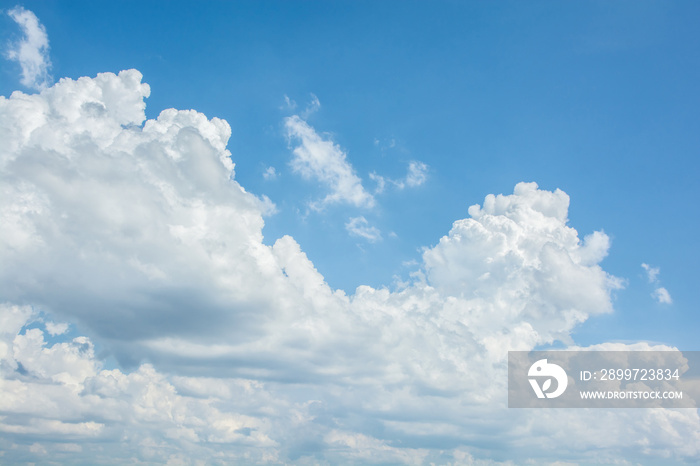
{"type": "Point", "coordinates": [233, 351]}
{"type": "Point", "coordinates": [32, 51]}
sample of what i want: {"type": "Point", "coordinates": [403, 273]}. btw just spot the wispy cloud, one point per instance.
{"type": "Point", "coordinates": [32, 51]}
{"type": "Point", "coordinates": [313, 107]}
{"type": "Point", "coordinates": [289, 104]}
{"type": "Point", "coordinates": [380, 180]}
{"type": "Point", "coordinates": [270, 173]}
{"type": "Point", "coordinates": [359, 226]}
{"type": "Point", "coordinates": [416, 175]}
{"type": "Point", "coordinates": [652, 273]}
{"type": "Point", "coordinates": [660, 294]}
{"type": "Point", "coordinates": [324, 161]}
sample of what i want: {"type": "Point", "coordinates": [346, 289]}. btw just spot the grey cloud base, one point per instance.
{"type": "Point", "coordinates": [236, 351]}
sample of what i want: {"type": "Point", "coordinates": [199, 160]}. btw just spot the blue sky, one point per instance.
{"type": "Point", "coordinates": [597, 99]}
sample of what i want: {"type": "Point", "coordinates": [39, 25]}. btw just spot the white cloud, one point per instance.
{"type": "Point", "coordinates": [520, 246]}
{"type": "Point", "coordinates": [64, 395]}
{"type": "Point", "coordinates": [594, 249]}
{"type": "Point", "coordinates": [137, 232]}
{"type": "Point", "coordinates": [288, 103]}
{"type": "Point", "coordinates": [662, 295]}
{"type": "Point", "coordinates": [322, 160]}
{"type": "Point", "coordinates": [417, 174]}
{"type": "Point", "coordinates": [32, 51]}
{"type": "Point", "coordinates": [380, 180]}
{"type": "Point", "coordinates": [313, 107]}
{"type": "Point", "coordinates": [358, 226]}
{"type": "Point", "coordinates": [652, 273]}
{"type": "Point", "coordinates": [146, 211]}
{"type": "Point", "coordinates": [270, 173]}
{"type": "Point", "coordinates": [56, 329]}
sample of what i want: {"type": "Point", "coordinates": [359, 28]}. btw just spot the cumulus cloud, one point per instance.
{"type": "Point", "coordinates": [358, 226]}
{"type": "Point", "coordinates": [57, 395]}
{"type": "Point", "coordinates": [324, 161]}
{"type": "Point", "coordinates": [62, 394]}
{"type": "Point", "coordinates": [233, 351]}
{"type": "Point", "coordinates": [32, 51]}
{"type": "Point", "coordinates": [133, 211]}
{"type": "Point", "coordinates": [520, 247]}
